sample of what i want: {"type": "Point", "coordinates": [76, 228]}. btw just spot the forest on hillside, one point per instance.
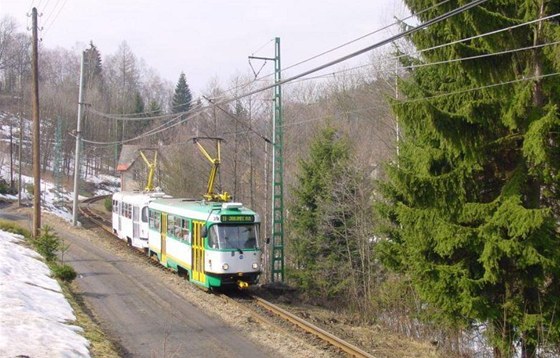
{"type": "Point", "coordinates": [421, 188]}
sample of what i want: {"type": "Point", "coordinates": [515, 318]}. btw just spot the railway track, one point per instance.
{"type": "Point", "coordinates": [251, 301]}
{"type": "Point", "coordinates": [97, 219]}
{"type": "Point", "coordinates": [269, 307]}
{"type": "Point", "coordinates": [106, 224]}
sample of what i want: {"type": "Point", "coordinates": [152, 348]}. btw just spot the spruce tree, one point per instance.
{"type": "Point", "coordinates": [182, 97]}
{"type": "Point", "coordinates": [473, 196]}
{"type": "Point", "coordinates": [138, 126]}
{"type": "Point", "coordinates": [318, 216]}
{"type": "Point", "coordinates": [93, 69]}
{"type": "Point", "coordinates": [154, 109]}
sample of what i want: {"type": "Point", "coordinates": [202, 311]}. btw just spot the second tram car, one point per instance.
{"type": "Point", "coordinates": [215, 244]}
{"type": "Point", "coordinates": [130, 216]}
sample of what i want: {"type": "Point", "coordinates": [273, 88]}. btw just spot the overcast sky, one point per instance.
{"type": "Point", "coordinates": [211, 38]}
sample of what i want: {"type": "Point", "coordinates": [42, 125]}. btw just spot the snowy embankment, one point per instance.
{"type": "Point", "coordinates": [34, 314]}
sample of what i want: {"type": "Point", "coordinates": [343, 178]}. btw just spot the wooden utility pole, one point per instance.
{"type": "Point", "coordinates": [36, 128]}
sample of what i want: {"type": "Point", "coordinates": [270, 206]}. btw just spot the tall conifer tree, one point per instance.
{"type": "Point", "coordinates": [93, 69]}
{"type": "Point", "coordinates": [138, 126]}
{"type": "Point", "coordinates": [182, 97]}
{"type": "Point", "coordinates": [319, 216]}
{"type": "Point", "coordinates": [154, 109]}
{"type": "Point", "coordinates": [474, 195]}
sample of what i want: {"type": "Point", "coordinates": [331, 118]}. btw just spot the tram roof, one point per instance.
{"type": "Point", "coordinates": [202, 210]}
{"type": "Point", "coordinates": [138, 197]}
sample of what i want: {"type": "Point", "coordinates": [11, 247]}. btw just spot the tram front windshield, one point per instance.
{"type": "Point", "coordinates": [236, 237]}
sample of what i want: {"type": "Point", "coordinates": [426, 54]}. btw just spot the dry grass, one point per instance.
{"type": "Point", "coordinates": [101, 345]}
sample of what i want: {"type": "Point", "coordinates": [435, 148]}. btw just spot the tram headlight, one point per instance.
{"type": "Point", "coordinates": [225, 267]}
{"type": "Point", "coordinates": [255, 266]}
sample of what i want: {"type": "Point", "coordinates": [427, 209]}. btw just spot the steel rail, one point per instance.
{"type": "Point", "coordinates": [97, 219]}
{"type": "Point", "coordinates": [344, 346]}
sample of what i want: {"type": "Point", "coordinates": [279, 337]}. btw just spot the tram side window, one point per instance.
{"type": "Point", "coordinates": [129, 211]}
{"type": "Point", "coordinates": [182, 230]}
{"type": "Point", "coordinates": [177, 228]}
{"type": "Point", "coordinates": [157, 221]}
{"type": "Point", "coordinates": [115, 206]}
{"type": "Point", "coordinates": [151, 216]}
{"type": "Point", "coordinates": [170, 225]}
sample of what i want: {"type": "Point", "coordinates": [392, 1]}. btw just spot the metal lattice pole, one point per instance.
{"type": "Point", "coordinates": [78, 145]}
{"type": "Point", "coordinates": [277, 259]}
{"type": "Point", "coordinates": [59, 198]}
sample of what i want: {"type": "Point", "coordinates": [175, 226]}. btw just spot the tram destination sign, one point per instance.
{"type": "Point", "coordinates": [237, 218]}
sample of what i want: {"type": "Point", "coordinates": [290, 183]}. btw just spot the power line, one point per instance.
{"type": "Point", "coordinates": [156, 130]}
{"type": "Point", "coordinates": [481, 56]}
{"type": "Point", "coordinates": [55, 18]}
{"type": "Point", "coordinates": [162, 128]}
{"type": "Point", "coordinates": [479, 88]}
{"type": "Point", "coordinates": [239, 121]}
{"type": "Point", "coordinates": [487, 33]}
{"type": "Point", "coordinates": [47, 4]}
{"type": "Point", "coordinates": [366, 49]}
{"type": "Point", "coordinates": [367, 35]}
{"type": "Point", "coordinates": [363, 109]}
{"type": "Point", "coordinates": [123, 118]}
{"type": "Point", "coordinates": [357, 110]}
{"type": "Point", "coordinates": [430, 63]}
{"type": "Point", "coordinates": [52, 12]}
{"type": "Point", "coordinates": [349, 70]}
{"type": "Point", "coordinates": [134, 116]}
{"type": "Point", "coordinates": [447, 44]}
{"type": "Point", "coordinates": [260, 48]}
{"type": "Point", "coordinates": [338, 47]}
{"type": "Point", "coordinates": [326, 65]}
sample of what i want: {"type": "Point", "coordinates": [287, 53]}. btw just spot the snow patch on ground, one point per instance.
{"type": "Point", "coordinates": [34, 313]}
{"type": "Point", "coordinates": [51, 200]}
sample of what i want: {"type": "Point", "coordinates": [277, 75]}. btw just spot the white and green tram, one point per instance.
{"type": "Point", "coordinates": [216, 244]}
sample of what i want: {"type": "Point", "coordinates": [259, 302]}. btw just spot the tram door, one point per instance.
{"type": "Point", "coordinates": [119, 210]}
{"type": "Point", "coordinates": [198, 253]}
{"type": "Point", "coordinates": [135, 222]}
{"type": "Point", "coordinates": [163, 238]}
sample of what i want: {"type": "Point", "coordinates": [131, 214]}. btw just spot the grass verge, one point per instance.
{"type": "Point", "coordinates": [101, 345]}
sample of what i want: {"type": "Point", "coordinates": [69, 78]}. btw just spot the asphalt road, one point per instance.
{"type": "Point", "coordinates": [147, 318]}
{"type": "Point", "coordinates": [7, 212]}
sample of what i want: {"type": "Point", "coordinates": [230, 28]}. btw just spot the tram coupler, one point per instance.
{"type": "Point", "coordinates": [242, 285]}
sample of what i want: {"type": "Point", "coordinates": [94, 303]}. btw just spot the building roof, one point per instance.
{"type": "Point", "coordinates": [129, 154]}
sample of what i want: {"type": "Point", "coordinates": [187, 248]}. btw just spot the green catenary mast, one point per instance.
{"type": "Point", "coordinates": [277, 259]}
